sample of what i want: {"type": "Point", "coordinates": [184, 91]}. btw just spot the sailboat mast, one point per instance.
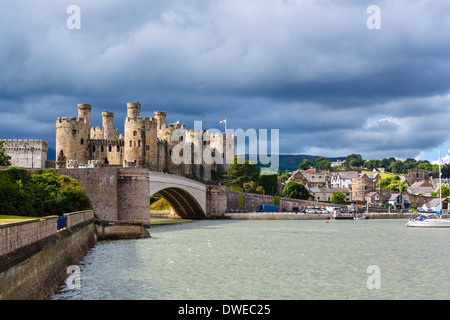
{"type": "Point", "coordinates": [440, 185]}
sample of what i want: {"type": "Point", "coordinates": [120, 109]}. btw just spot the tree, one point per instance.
{"type": "Point", "coordinates": [295, 190]}
{"type": "Point", "coordinates": [5, 160]}
{"type": "Point", "coordinates": [372, 164]}
{"type": "Point", "coordinates": [445, 192]}
{"type": "Point", "coordinates": [252, 187]}
{"type": "Point", "coordinates": [354, 160]}
{"type": "Point", "coordinates": [240, 173]}
{"type": "Point", "coordinates": [305, 164]}
{"type": "Point", "coordinates": [284, 176]}
{"type": "Point", "coordinates": [322, 164]}
{"type": "Point", "coordinates": [38, 195]}
{"type": "Point", "coordinates": [392, 183]}
{"type": "Point", "coordinates": [397, 167]}
{"type": "Point", "coordinates": [269, 182]}
{"type": "Point", "coordinates": [338, 197]}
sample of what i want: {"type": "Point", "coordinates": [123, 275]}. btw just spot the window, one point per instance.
{"type": "Point", "coordinates": [147, 147]}
{"type": "Point", "coordinates": [93, 148]}
{"type": "Point", "coordinates": [74, 133]}
{"type": "Point", "coordinates": [131, 143]}
{"type": "Point", "coordinates": [109, 148]}
{"type": "Point", "coordinates": [82, 141]}
{"type": "Point", "coordinates": [135, 133]}
{"type": "Point", "coordinates": [139, 143]}
{"type": "Point", "coordinates": [118, 148]}
{"type": "Point", "coordinates": [102, 149]}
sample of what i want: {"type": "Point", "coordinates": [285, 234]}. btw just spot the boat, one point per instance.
{"type": "Point", "coordinates": [431, 219]}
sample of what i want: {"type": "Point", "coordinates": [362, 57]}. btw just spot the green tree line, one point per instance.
{"type": "Point", "coordinates": [40, 194]}
{"type": "Point", "coordinates": [355, 161]}
{"type": "Point", "coordinates": [247, 176]}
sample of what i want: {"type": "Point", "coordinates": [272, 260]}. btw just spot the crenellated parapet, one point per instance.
{"type": "Point", "coordinates": [26, 153]}
{"type": "Point", "coordinates": [147, 142]}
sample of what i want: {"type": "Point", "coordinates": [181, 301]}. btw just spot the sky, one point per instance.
{"type": "Point", "coordinates": [332, 76]}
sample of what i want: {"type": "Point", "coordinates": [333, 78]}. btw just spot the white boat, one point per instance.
{"type": "Point", "coordinates": [431, 219]}
{"type": "Point", "coordinates": [425, 221]}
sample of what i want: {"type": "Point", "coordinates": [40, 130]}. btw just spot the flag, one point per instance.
{"type": "Point", "coordinates": [178, 122]}
{"type": "Point", "coordinates": [223, 122]}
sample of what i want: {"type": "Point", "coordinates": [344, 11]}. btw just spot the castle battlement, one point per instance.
{"type": "Point", "coordinates": [145, 143]}
{"type": "Point", "coordinates": [26, 153]}
{"type": "Point", "coordinates": [105, 142]}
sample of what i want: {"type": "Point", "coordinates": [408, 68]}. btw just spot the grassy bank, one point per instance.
{"type": "Point", "coordinates": [7, 218]}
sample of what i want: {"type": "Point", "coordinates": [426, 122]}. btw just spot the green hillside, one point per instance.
{"type": "Point", "coordinates": [290, 162]}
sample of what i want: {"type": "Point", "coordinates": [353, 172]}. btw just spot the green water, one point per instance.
{"type": "Point", "coordinates": [270, 260]}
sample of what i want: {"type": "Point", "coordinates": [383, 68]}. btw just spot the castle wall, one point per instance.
{"type": "Point", "coordinates": [23, 156]}
{"type": "Point", "coordinates": [145, 143]}
{"type": "Point", "coordinates": [106, 151]}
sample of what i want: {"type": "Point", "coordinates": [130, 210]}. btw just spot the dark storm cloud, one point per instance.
{"type": "Point", "coordinates": [309, 68]}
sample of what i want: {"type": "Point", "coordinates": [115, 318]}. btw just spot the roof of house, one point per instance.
{"type": "Point", "coordinates": [347, 175]}
{"type": "Point", "coordinates": [329, 190]}
{"type": "Point", "coordinates": [422, 190]}
{"type": "Point", "coordinates": [434, 202]}
{"type": "Point", "coordinates": [395, 195]}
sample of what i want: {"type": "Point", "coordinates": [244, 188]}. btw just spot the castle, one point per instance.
{"type": "Point", "coordinates": [24, 153]}
{"type": "Point", "coordinates": [145, 143]}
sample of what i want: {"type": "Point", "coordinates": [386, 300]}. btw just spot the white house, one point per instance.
{"type": "Point", "coordinates": [435, 205]}
{"type": "Point", "coordinates": [342, 179]}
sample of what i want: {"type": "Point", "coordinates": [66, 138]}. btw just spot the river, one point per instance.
{"type": "Point", "coordinates": [270, 259]}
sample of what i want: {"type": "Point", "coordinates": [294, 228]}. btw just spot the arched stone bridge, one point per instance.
{"type": "Point", "coordinates": [123, 194]}
{"type": "Point", "coordinates": [187, 197]}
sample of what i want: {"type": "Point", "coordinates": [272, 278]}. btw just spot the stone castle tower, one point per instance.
{"type": "Point", "coordinates": [145, 143]}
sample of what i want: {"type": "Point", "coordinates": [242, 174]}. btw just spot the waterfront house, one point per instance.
{"type": "Point", "coordinates": [436, 204]}
{"type": "Point", "coordinates": [372, 197]}
{"type": "Point", "coordinates": [325, 194]}
{"type": "Point", "coordinates": [399, 201]}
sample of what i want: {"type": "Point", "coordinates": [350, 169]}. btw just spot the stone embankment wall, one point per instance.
{"type": "Point", "coordinates": [252, 202]}
{"type": "Point", "coordinates": [35, 256]}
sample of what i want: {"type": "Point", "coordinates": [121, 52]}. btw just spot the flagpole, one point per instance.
{"type": "Point", "coordinates": [225, 125]}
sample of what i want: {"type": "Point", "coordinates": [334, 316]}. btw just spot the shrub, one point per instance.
{"type": "Point", "coordinates": [39, 195]}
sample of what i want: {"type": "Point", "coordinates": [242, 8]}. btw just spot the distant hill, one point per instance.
{"type": "Point", "coordinates": [290, 162]}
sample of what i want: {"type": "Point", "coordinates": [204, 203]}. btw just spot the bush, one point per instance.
{"type": "Point", "coordinates": [295, 190]}
{"type": "Point", "coordinates": [241, 201]}
{"type": "Point", "coordinates": [38, 195]}
{"type": "Point", "coordinates": [276, 201]}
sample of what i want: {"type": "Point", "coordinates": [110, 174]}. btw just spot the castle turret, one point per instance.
{"type": "Point", "coordinates": [134, 136]}
{"type": "Point", "coordinates": [160, 117]}
{"type": "Point", "coordinates": [84, 133]}
{"type": "Point", "coordinates": [109, 132]}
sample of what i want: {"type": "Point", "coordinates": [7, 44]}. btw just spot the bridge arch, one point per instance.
{"type": "Point", "coordinates": [187, 197]}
